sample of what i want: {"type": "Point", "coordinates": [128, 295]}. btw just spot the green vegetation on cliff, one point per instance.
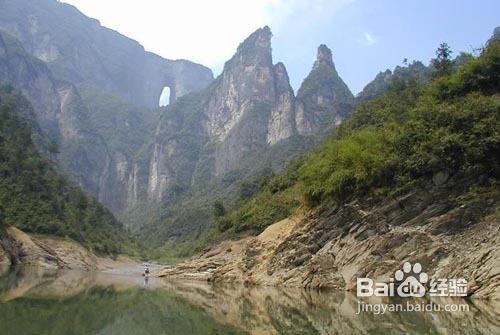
{"type": "Point", "coordinates": [449, 128]}
{"type": "Point", "coordinates": [36, 199]}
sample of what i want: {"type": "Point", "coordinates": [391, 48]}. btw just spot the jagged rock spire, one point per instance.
{"type": "Point", "coordinates": [324, 57]}
{"type": "Point", "coordinates": [323, 98]}
{"type": "Point", "coordinates": [261, 38]}
{"type": "Point", "coordinates": [255, 49]}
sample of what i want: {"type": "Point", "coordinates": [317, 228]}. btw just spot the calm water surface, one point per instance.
{"type": "Point", "coordinates": [71, 302]}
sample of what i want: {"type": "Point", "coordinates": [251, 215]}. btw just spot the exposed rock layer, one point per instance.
{"type": "Point", "coordinates": [19, 248]}
{"type": "Point", "coordinates": [330, 248]}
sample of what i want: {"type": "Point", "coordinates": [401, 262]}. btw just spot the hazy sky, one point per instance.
{"type": "Point", "coordinates": [365, 36]}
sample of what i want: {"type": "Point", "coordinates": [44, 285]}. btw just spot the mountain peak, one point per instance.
{"type": "Point", "coordinates": [255, 49]}
{"type": "Point", "coordinates": [260, 39]}
{"type": "Point", "coordinates": [324, 56]}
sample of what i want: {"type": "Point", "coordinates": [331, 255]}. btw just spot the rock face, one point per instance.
{"type": "Point", "coordinates": [93, 91]}
{"type": "Point", "coordinates": [281, 123]}
{"type": "Point", "coordinates": [331, 247]}
{"type": "Point", "coordinates": [126, 129]}
{"type": "Point", "coordinates": [60, 114]}
{"type": "Point", "coordinates": [92, 88]}
{"type": "Point", "coordinates": [253, 104]}
{"type": "Point", "coordinates": [249, 107]}
{"type": "Point", "coordinates": [19, 248]}
{"type": "Point", "coordinates": [323, 98]}
{"type": "Point", "coordinates": [33, 78]}
{"type": "Point", "coordinates": [79, 50]}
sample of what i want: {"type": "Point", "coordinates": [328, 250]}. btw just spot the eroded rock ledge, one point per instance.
{"type": "Point", "coordinates": [19, 248]}
{"type": "Point", "coordinates": [331, 247]}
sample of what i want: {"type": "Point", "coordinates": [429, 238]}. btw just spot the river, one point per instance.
{"type": "Point", "coordinates": [73, 302]}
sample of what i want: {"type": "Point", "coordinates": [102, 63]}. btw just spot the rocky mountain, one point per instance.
{"type": "Point", "coordinates": [203, 134]}
{"type": "Point", "coordinates": [221, 143]}
{"type": "Point", "coordinates": [323, 98]}
{"type": "Point", "coordinates": [249, 107]}
{"type": "Point", "coordinates": [78, 49]}
{"type": "Point", "coordinates": [95, 92]}
{"type": "Point", "coordinates": [60, 113]}
{"type": "Point", "coordinates": [91, 152]}
{"type": "Point", "coordinates": [33, 78]}
{"type": "Point", "coordinates": [37, 199]}
{"type": "Point", "coordinates": [412, 176]}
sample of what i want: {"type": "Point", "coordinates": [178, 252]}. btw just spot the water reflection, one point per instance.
{"type": "Point", "coordinates": [34, 302]}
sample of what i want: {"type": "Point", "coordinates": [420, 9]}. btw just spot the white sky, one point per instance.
{"type": "Point", "coordinates": [206, 32]}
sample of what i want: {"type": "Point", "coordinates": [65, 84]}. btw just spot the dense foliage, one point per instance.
{"type": "Point", "coordinates": [450, 127]}
{"type": "Point", "coordinates": [36, 199]}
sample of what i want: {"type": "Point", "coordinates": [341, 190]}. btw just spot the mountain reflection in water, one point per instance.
{"type": "Point", "coordinates": [71, 302]}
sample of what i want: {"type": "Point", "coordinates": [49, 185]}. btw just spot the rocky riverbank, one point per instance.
{"type": "Point", "coordinates": [331, 247]}
{"type": "Point", "coordinates": [50, 252]}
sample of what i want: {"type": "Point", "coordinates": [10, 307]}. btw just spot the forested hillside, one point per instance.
{"type": "Point", "coordinates": [36, 199]}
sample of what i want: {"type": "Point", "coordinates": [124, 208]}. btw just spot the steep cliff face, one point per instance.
{"type": "Point", "coordinates": [78, 49]}
{"type": "Point", "coordinates": [323, 98]}
{"type": "Point", "coordinates": [281, 123]}
{"type": "Point", "coordinates": [60, 112]}
{"type": "Point", "coordinates": [253, 106]}
{"type": "Point", "coordinates": [127, 130]}
{"type": "Point", "coordinates": [95, 93]}
{"type": "Point", "coordinates": [33, 78]}
{"type": "Point", "coordinates": [248, 107]}
{"type": "Point", "coordinates": [37, 199]}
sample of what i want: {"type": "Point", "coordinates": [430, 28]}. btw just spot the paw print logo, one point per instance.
{"type": "Point", "coordinates": [412, 279]}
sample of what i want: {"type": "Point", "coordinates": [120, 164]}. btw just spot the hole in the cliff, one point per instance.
{"type": "Point", "coordinates": [165, 96]}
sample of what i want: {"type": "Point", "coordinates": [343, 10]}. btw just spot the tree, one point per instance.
{"type": "Point", "coordinates": [219, 209]}
{"type": "Point", "coordinates": [443, 63]}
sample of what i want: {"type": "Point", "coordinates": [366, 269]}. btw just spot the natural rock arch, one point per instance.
{"type": "Point", "coordinates": [165, 96]}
